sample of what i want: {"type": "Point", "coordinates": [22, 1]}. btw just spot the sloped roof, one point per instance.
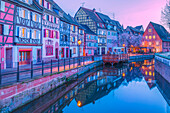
{"type": "Point", "coordinates": [161, 31]}
{"type": "Point", "coordinates": [134, 30]}
{"type": "Point", "coordinates": [92, 14]}
{"type": "Point", "coordinates": [104, 17]}
{"type": "Point", "coordinates": [87, 30]}
{"type": "Point", "coordinates": [138, 27]}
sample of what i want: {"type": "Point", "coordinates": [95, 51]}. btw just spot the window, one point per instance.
{"type": "Point", "coordinates": [150, 30]}
{"type": "Point", "coordinates": [109, 33]}
{"type": "Point", "coordinates": [6, 29]}
{"type": "Point", "coordinates": [2, 6]}
{"type": "Point", "coordinates": [49, 50]}
{"type": "Point", "coordinates": [150, 37]}
{"type": "Point", "coordinates": [23, 32]}
{"type": "Point", "coordinates": [23, 13]}
{"type": "Point", "coordinates": [150, 43]}
{"type": "Point", "coordinates": [35, 17]}
{"type": "Point", "coordinates": [146, 37]}
{"type": "Point", "coordinates": [89, 52]}
{"type": "Point", "coordinates": [154, 37]}
{"type": "Point", "coordinates": [1, 29]}
{"type": "Point", "coordinates": [87, 17]}
{"type": "Point", "coordinates": [35, 34]}
{"type": "Point", "coordinates": [47, 33]}
{"type": "Point", "coordinates": [77, 18]}
{"type": "Point", "coordinates": [143, 43]}
{"type": "Point", "coordinates": [74, 50]}
{"type": "Point", "coordinates": [157, 43]}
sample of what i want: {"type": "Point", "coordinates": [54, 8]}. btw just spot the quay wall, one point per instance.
{"type": "Point", "coordinates": [19, 94]}
{"type": "Point", "coordinates": [162, 66]}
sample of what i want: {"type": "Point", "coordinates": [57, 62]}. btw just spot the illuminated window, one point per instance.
{"type": "Point", "coordinates": [74, 50]}
{"type": "Point", "coordinates": [23, 32]}
{"type": "Point", "coordinates": [150, 73]}
{"type": "Point", "coordinates": [35, 34]}
{"type": "Point", "coordinates": [35, 17]}
{"type": "Point", "coordinates": [23, 12]}
{"type": "Point", "coordinates": [154, 37]}
{"type": "Point", "coordinates": [40, 2]}
{"type": "Point", "coordinates": [123, 45]}
{"type": "Point", "coordinates": [47, 33]}
{"type": "Point", "coordinates": [143, 43]}
{"type": "Point", "coordinates": [153, 73]}
{"type": "Point", "coordinates": [150, 37]}
{"type": "Point", "coordinates": [150, 30]}
{"type": "Point", "coordinates": [157, 43]}
{"type": "Point", "coordinates": [146, 73]}
{"type": "Point", "coordinates": [146, 37]}
{"type": "Point", "coordinates": [150, 43]}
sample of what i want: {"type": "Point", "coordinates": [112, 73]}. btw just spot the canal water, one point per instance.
{"type": "Point", "coordinates": [126, 88]}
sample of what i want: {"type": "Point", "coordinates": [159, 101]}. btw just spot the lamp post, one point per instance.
{"type": "Point", "coordinates": [79, 43]}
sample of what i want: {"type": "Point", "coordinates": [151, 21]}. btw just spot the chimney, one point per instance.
{"type": "Point", "coordinates": [94, 10]}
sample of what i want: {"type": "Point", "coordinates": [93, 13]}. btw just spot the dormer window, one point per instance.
{"type": "Point", "coordinates": [103, 25]}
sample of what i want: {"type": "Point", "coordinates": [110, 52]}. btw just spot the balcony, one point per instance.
{"type": "Point", "coordinates": [19, 40]}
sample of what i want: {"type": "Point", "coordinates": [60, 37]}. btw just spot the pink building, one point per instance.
{"type": "Point", "coordinates": [6, 33]}
{"type": "Point", "coordinates": [156, 38]}
{"type": "Point", "coordinates": [91, 43]}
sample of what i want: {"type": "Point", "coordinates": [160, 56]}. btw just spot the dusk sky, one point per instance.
{"type": "Point", "coordinates": [127, 12]}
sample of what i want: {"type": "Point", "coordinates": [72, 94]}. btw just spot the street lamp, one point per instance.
{"type": "Point", "coordinates": [79, 43]}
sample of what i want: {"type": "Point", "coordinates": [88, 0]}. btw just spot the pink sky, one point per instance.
{"type": "Point", "coordinates": [127, 12]}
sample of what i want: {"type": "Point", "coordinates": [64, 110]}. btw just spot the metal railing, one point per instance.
{"type": "Point", "coordinates": [44, 68]}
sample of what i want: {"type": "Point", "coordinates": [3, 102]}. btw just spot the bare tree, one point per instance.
{"type": "Point", "coordinates": [165, 17]}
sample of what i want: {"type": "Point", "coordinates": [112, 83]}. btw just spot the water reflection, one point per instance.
{"type": "Point", "coordinates": [98, 84]}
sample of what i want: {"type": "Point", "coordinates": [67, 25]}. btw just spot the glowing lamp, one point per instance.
{"type": "Point", "coordinates": [79, 103]}
{"type": "Point", "coordinates": [123, 45]}
{"type": "Point", "coordinates": [79, 42]}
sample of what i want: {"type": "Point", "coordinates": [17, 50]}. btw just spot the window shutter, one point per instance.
{"type": "Point", "coordinates": [32, 34]}
{"type": "Point", "coordinates": [20, 11]}
{"type": "Point", "coordinates": [28, 33]}
{"type": "Point", "coordinates": [6, 29]}
{"type": "Point", "coordinates": [57, 34]}
{"type": "Point", "coordinates": [40, 18]}
{"type": "Point", "coordinates": [2, 6]}
{"type": "Point", "coordinates": [33, 16]}
{"type": "Point", "coordinates": [20, 31]}
{"type": "Point", "coordinates": [52, 34]}
{"type": "Point", "coordinates": [44, 32]}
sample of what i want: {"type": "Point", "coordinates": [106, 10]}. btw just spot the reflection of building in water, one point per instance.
{"type": "Point", "coordinates": [164, 87]}
{"type": "Point", "coordinates": [148, 71]}
{"type": "Point", "coordinates": [96, 87]}
{"type": "Point", "coordinates": [65, 100]}
{"type": "Point", "coordinates": [110, 71]}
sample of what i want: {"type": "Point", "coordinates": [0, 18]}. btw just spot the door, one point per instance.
{"type": "Point", "coordinates": [103, 51]}
{"type": "Point", "coordinates": [38, 55]}
{"type": "Point", "coordinates": [9, 58]}
{"type": "Point", "coordinates": [70, 53]}
{"type": "Point", "coordinates": [56, 53]}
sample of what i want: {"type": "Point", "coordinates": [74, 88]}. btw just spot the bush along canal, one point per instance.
{"type": "Point", "coordinates": [127, 88]}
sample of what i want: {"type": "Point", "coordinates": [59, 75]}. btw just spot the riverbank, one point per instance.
{"type": "Point", "coordinates": [162, 65]}
{"type": "Point", "coordinates": [19, 94]}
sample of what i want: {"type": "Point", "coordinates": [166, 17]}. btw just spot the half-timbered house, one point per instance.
{"type": "Point", "coordinates": [50, 30]}
{"type": "Point", "coordinates": [112, 37]}
{"type": "Point", "coordinates": [27, 32]}
{"type": "Point", "coordinates": [64, 36]}
{"type": "Point", "coordinates": [6, 33]}
{"type": "Point", "coordinates": [92, 20]}
{"type": "Point", "coordinates": [91, 44]}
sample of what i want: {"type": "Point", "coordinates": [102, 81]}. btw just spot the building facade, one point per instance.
{"type": "Point", "coordinates": [27, 32]}
{"type": "Point", "coordinates": [50, 31]}
{"type": "Point", "coordinates": [6, 33]}
{"type": "Point", "coordinates": [92, 20]}
{"type": "Point", "coordinates": [64, 37]}
{"type": "Point", "coordinates": [91, 42]}
{"type": "Point", "coordinates": [156, 38]}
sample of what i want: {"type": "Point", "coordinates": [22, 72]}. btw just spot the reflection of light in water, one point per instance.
{"type": "Point", "coordinates": [153, 73]}
{"type": "Point", "coordinates": [123, 75]}
{"type": "Point", "coordinates": [79, 103]}
{"type": "Point", "coordinates": [149, 80]}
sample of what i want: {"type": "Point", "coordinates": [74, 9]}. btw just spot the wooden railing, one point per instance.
{"type": "Point", "coordinates": [115, 58]}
